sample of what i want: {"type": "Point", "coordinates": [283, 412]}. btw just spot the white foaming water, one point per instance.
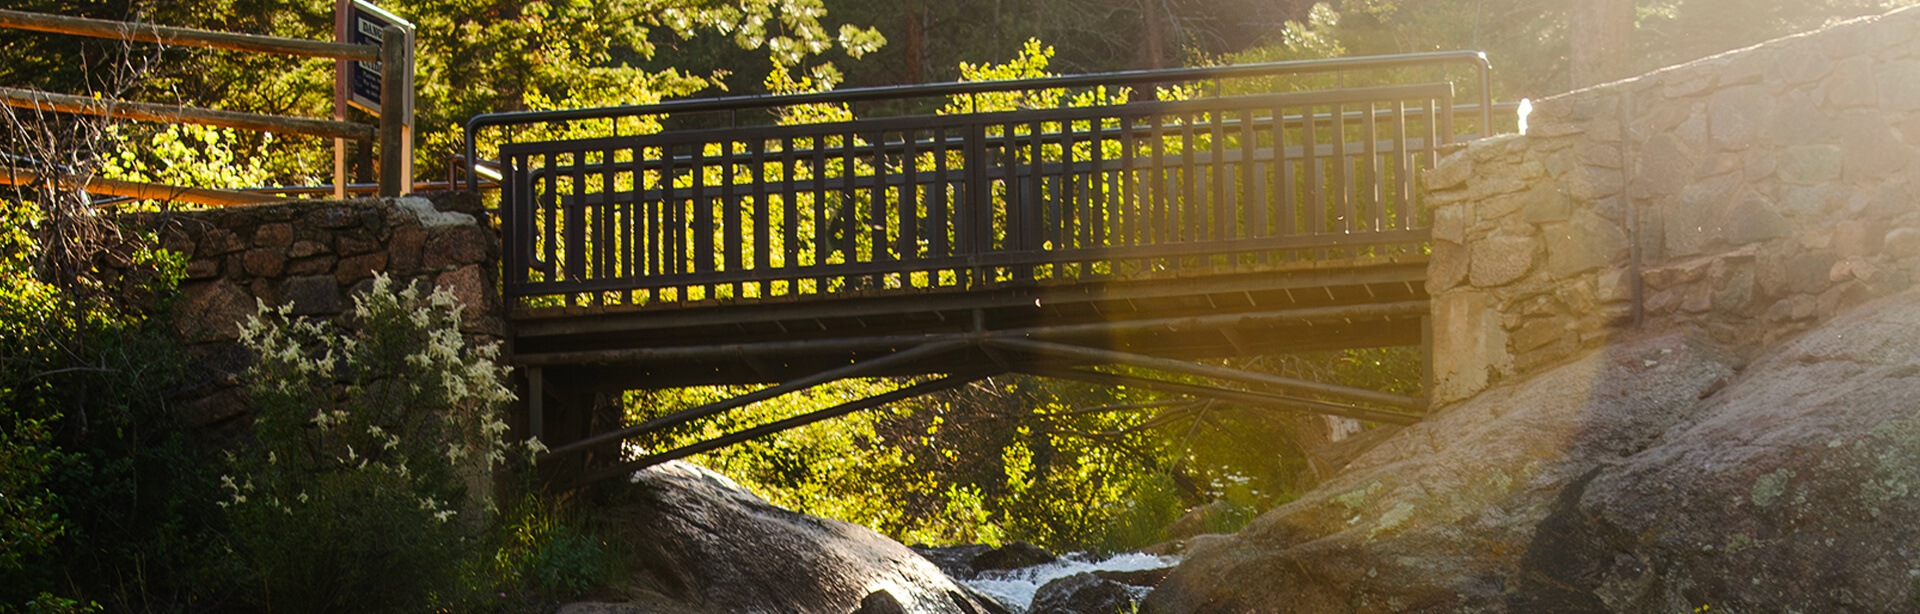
{"type": "Point", "coordinates": [1015, 587]}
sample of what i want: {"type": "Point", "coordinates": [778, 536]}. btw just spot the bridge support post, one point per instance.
{"type": "Point", "coordinates": [537, 403]}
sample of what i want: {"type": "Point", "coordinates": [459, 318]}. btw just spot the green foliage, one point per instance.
{"type": "Point", "coordinates": [102, 496]}
{"type": "Point", "coordinates": [370, 443]}
{"type": "Point", "coordinates": [28, 524]}
{"type": "Point", "coordinates": [541, 550]}
{"type": "Point", "coordinates": [183, 154]}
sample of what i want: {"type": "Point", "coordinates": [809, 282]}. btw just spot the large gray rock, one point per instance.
{"type": "Point", "coordinates": [700, 543]}
{"type": "Point", "coordinates": [1657, 475]}
{"type": "Point", "coordinates": [1082, 593]}
{"type": "Point", "coordinates": [1790, 490]}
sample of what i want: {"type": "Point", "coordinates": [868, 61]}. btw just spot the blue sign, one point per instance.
{"type": "Point", "coordinates": [365, 23]}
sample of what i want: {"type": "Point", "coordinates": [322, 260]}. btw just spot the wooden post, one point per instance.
{"type": "Point", "coordinates": [342, 70]}
{"type": "Point", "coordinates": [394, 91]}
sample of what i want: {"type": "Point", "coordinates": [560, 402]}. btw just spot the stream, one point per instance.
{"type": "Point", "coordinates": [1016, 586]}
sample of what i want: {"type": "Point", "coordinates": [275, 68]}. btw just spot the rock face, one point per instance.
{"type": "Point", "coordinates": [1012, 556]}
{"type": "Point", "coordinates": [703, 544]}
{"type": "Point", "coordinates": [1660, 474]}
{"type": "Point", "coordinates": [1082, 593]}
{"type": "Point", "coordinates": [968, 561]}
{"type": "Point", "coordinates": [314, 255]}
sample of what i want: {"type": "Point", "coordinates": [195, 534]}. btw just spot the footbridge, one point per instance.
{"type": "Point", "coordinates": [1151, 219]}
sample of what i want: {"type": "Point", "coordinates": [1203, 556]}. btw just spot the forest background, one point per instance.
{"type": "Point", "coordinates": [105, 502]}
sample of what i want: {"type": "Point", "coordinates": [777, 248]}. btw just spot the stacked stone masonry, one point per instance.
{"type": "Point", "coordinates": [316, 256]}
{"type": "Point", "coordinates": [1765, 189]}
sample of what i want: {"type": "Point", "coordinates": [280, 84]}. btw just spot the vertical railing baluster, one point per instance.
{"type": "Point", "coordinates": [977, 217]}
{"type": "Point", "coordinates": [1013, 229]}
{"type": "Point", "coordinates": [909, 202]}
{"type": "Point", "coordinates": [576, 225]}
{"type": "Point", "coordinates": [762, 219]}
{"type": "Point", "coordinates": [1402, 166]}
{"type": "Point", "coordinates": [550, 214]}
{"type": "Point", "coordinates": [1157, 218]}
{"type": "Point", "coordinates": [937, 190]}
{"type": "Point", "coordinates": [877, 225]}
{"type": "Point", "coordinates": [608, 246]}
{"type": "Point", "coordinates": [822, 227]}
{"type": "Point", "coordinates": [1253, 199]}
{"type": "Point", "coordinates": [1344, 196]}
{"type": "Point", "coordinates": [1221, 206]}
{"type": "Point", "coordinates": [513, 226]}
{"type": "Point", "coordinates": [704, 256]}
{"type": "Point", "coordinates": [1130, 205]}
{"type": "Point", "coordinates": [1370, 146]}
{"type": "Point", "coordinates": [1062, 204]}
{"type": "Point", "coordinates": [730, 206]}
{"type": "Point", "coordinates": [1187, 213]}
{"type": "Point", "coordinates": [1094, 221]}
{"type": "Point", "coordinates": [679, 251]}
{"type": "Point", "coordinates": [1285, 189]}
{"type": "Point", "coordinates": [1031, 224]}
{"type": "Point", "coordinates": [849, 205]}
{"type": "Point", "coordinates": [1315, 205]}
{"type": "Point", "coordinates": [789, 214]}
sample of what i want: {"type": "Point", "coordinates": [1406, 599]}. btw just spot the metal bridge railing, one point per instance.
{"type": "Point", "coordinates": [971, 200]}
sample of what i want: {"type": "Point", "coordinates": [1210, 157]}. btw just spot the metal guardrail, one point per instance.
{"type": "Point", "coordinates": [972, 200]}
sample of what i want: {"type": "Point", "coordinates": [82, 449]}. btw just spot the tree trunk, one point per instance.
{"type": "Point", "coordinates": [916, 51]}
{"type": "Point", "coordinates": [1153, 13]}
{"type": "Point", "coordinates": [1601, 30]}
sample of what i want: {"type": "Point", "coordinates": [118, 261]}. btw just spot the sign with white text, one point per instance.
{"type": "Point", "coordinates": [365, 23]}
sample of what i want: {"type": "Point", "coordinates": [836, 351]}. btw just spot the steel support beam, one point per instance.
{"type": "Point", "coordinates": [1310, 315]}
{"type": "Point", "coordinates": [854, 370]}
{"type": "Point", "coordinates": [1260, 400]}
{"type": "Point", "coordinates": [1344, 393]}
{"type": "Point", "coordinates": [944, 383]}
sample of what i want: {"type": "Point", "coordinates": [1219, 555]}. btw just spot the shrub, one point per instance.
{"type": "Point", "coordinates": [356, 497]}
{"type": "Point", "coordinates": [103, 498]}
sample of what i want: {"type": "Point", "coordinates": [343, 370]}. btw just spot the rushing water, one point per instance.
{"type": "Point", "coordinates": [1016, 587]}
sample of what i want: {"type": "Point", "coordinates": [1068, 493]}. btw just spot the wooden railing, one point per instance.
{"type": "Point", "coordinates": [394, 53]}
{"type": "Point", "coordinates": [971, 201]}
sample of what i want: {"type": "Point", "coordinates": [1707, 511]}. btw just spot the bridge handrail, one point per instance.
{"type": "Point", "coordinates": [986, 206]}
{"type": "Point", "coordinates": [1135, 77]}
